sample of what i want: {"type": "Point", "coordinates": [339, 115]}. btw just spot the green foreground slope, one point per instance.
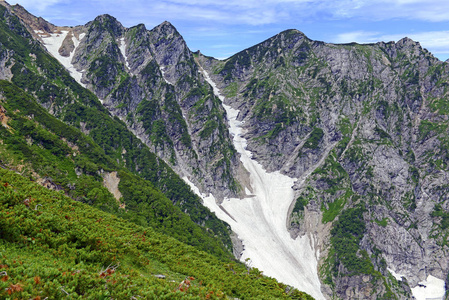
{"type": "Point", "coordinates": [75, 157]}
{"type": "Point", "coordinates": [52, 246]}
{"type": "Point", "coordinates": [45, 149]}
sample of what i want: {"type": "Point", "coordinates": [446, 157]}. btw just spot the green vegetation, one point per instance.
{"type": "Point", "coordinates": [345, 126]}
{"type": "Point", "coordinates": [383, 222]}
{"type": "Point", "coordinates": [428, 129]}
{"type": "Point", "coordinates": [147, 206]}
{"type": "Point", "coordinates": [36, 136]}
{"type": "Point", "coordinates": [231, 90]}
{"type": "Point", "coordinates": [52, 246]}
{"type": "Point", "coordinates": [241, 59]}
{"type": "Point", "coordinates": [42, 148]}
{"type": "Point", "coordinates": [105, 70]}
{"type": "Point", "coordinates": [335, 185]}
{"type": "Point", "coordinates": [346, 258]}
{"type": "Point", "coordinates": [440, 105]}
{"type": "Point", "coordinates": [346, 235]}
{"type": "Point", "coordinates": [314, 139]}
{"type": "Point", "coordinates": [300, 203]}
{"type": "Point", "coordinates": [208, 129]}
{"type": "Point", "coordinates": [334, 208]}
{"type": "Point", "coordinates": [439, 212]}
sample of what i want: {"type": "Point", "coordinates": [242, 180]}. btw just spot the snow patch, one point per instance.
{"type": "Point", "coordinates": [432, 288]}
{"type": "Point", "coordinates": [163, 75]}
{"type": "Point", "coordinates": [395, 275]}
{"type": "Point", "coordinates": [259, 220]}
{"type": "Point", "coordinates": [53, 42]}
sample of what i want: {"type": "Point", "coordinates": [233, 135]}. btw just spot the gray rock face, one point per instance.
{"type": "Point", "coordinates": [150, 80]}
{"type": "Point", "coordinates": [5, 65]}
{"type": "Point", "coordinates": [361, 124]}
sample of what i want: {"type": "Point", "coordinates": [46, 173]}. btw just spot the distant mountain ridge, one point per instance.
{"type": "Point", "coordinates": [364, 129]}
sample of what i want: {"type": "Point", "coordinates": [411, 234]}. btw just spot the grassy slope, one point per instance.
{"type": "Point", "coordinates": [51, 245]}
{"type": "Point", "coordinates": [36, 144]}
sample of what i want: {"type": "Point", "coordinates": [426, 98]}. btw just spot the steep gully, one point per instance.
{"type": "Point", "coordinates": [260, 221]}
{"type": "Point", "coordinates": [260, 218]}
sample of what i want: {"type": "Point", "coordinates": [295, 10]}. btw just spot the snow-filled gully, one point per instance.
{"type": "Point", "coordinates": [260, 219]}
{"type": "Point", "coordinates": [53, 42]}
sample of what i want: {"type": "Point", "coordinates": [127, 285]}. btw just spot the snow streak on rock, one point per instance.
{"type": "Point", "coordinates": [260, 218]}
{"type": "Point", "coordinates": [432, 288]}
{"type": "Point", "coordinates": [122, 48]}
{"type": "Point", "coordinates": [163, 76]}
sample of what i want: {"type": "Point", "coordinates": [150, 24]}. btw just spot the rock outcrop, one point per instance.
{"type": "Point", "coordinates": [149, 79]}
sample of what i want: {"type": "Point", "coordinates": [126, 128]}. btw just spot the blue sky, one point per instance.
{"type": "Point", "coordinates": [221, 28]}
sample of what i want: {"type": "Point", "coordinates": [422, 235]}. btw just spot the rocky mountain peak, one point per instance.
{"type": "Point", "coordinates": [292, 32]}
{"type": "Point", "coordinates": [36, 23]}
{"type": "Point", "coordinates": [108, 23]}
{"type": "Point", "coordinates": [139, 28]}
{"type": "Point", "coordinates": [406, 41]}
{"type": "Point", "coordinates": [167, 29]}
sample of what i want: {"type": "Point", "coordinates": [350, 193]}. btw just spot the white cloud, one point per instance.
{"type": "Point", "coordinates": [425, 10]}
{"type": "Point", "coordinates": [436, 42]}
{"type": "Point", "coordinates": [40, 5]}
{"type": "Point", "coordinates": [359, 36]}
{"type": "Point", "coordinates": [260, 12]}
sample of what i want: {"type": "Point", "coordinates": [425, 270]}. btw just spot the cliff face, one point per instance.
{"type": "Point", "coordinates": [149, 79]}
{"type": "Point", "coordinates": [364, 128]}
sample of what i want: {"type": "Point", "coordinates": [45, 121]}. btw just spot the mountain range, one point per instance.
{"type": "Point", "coordinates": [322, 165]}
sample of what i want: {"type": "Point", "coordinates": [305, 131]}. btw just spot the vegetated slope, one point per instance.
{"type": "Point", "coordinates": [61, 156]}
{"type": "Point", "coordinates": [52, 246]}
{"type": "Point", "coordinates": [365, 129]}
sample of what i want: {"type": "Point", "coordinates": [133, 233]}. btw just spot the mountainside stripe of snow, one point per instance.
{"type": "Point", "coordinates": [122, 48]}
{"type": "Point", "coordinates": [395, 275]}
{"type": "Point", "coordinates": [53, 43]}
{"type": "Point", "coordinates": [259, 220]}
